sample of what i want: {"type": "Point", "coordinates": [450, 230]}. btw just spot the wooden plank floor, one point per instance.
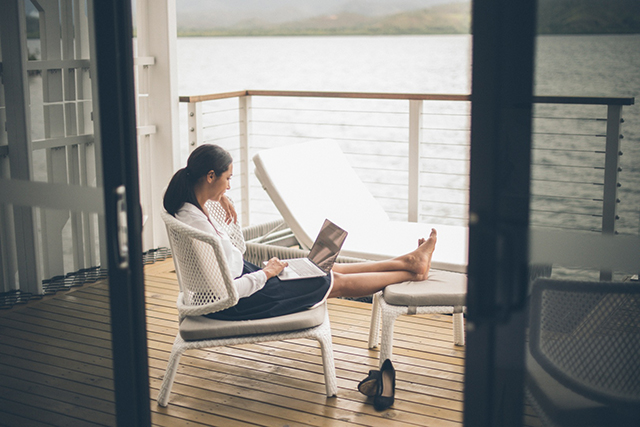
{"type": "Point", "coordinates": [55, 368]}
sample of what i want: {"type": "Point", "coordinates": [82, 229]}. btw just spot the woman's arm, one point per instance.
{"type": "Point", "coordinates": [251, 283]}
{"type": "Point", "coordinates": [274, 267]}
{"type": "Point", "coordinates": [231, 214]}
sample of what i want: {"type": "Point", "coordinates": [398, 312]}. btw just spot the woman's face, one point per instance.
{"type": "Point", "coordinates": [219, 184]}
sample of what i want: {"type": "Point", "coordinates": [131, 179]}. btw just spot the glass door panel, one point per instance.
{"type": "Point", "coordinates": [584, 297]}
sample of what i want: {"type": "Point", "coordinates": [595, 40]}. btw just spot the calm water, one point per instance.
{"type": "Point", "coordinates": [565, 65]}
{"type": "Point", "coordinates": [438, 64]}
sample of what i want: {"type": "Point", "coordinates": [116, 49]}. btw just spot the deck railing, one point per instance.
{"type": "Point", "coordinates": [412, 150]}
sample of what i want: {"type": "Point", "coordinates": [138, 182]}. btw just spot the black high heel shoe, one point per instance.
{"type": "Point", "coordinates": [385, 395]}
{"type": "Point", "coordinates": [369, 385]}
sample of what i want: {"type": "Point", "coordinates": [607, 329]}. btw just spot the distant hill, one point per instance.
{"type": "Point", "coordinates": [453, 17]}
{"type": "Point", "coordinates": [369, 17]}
{"type": "Point", "coordinates": [208, 14]}
{"type": "Point", "coordinates": [588, 16]}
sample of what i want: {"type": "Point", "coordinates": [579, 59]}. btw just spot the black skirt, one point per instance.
{"type": "Point", "coordinates": [277, 297]}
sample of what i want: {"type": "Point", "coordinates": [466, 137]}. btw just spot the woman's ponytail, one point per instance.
{"type": "Point", "coordinates": [178, 191]}
{"type": "Point", "coordinates": [203, 159]}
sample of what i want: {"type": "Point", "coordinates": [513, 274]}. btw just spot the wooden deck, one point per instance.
{"type": "Point", "coordinates": [55, 360]}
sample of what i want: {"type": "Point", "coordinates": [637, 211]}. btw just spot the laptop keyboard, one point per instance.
{"type": "Point", "coordinates": [303, 268]}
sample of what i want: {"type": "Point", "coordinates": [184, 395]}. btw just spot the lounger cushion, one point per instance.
{"type": "Point", "coordinates": [442, 288]}
{"type": "Point", "coordinates": [202, 328]}
{"type": "Point", "coordinates": [311, 181]}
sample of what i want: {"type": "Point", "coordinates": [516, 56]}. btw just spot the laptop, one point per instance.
{"type": "Point", "coordinates": [322, 256]}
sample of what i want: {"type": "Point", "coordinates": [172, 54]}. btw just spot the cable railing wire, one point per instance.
{"type": "Point", "coordinates": [228, 110]}
{"type": "Point", "coordinates": [567, 150]}
{"type": "Point", "coordinates": [448, 129]}
{"type": "Point", "coordinates": [217, 125]}
{"type": "Point", "coordinates": [443, 173]}
{"type": "Point", "coordinates": [437, 187]}
{"type": "Point", "coordinates": [383, 169]}
{"type": "Point", "coordinates": [316, 110]}
{"type": "Point", "coordinates": [564, 166]}
{"type": "Point", "coordinates": [444, 158]}
{"type": "Point", "coordinates": [550, 196]}
{"type": "Point", "coordinates": [570, 134]}
{"type": "Point", "coordinates": [444, 202]}
{"type": "Point", "coordinates": [593, 119]}
{"type": "Point", "coordinates": [395, 156]}
{"type": "Point", "coordinates": [335, 138]}
{"type": "Point", "coordinates": [565, 212]}
{"type": "Point", "coordinates": [445, 144]}
{"type": "Point", "coordinates": [447, 114]}
{"type": "Point", "coordinates": [222, 138]}
{"type": "Point", "coordinates": [454, 217]}
{"type": "Point", "coordinates": [269, 131]}
{"type": "Point", "coordinates": [558, 181]}
{"type": "Point", "coordinates": [329, 124]}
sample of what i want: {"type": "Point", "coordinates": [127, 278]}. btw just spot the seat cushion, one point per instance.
{"type": "Point", "coordinates": [195, 328]}
{"type": "Point", "coordinates": [442, 288]}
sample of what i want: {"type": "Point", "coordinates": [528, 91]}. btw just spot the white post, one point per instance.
{"type": "Point", "coordinates": [94, 170]}
{"type": "Point", "coordinates": [245, 160]}
{"type": "Point", "coordinates": [157, 38]}
{"type": "Point", "coordinates": [415, 131]}
{"type": "Point", "coordinates": [53, 19]}
{"type": "Point", "coordinates": [85, 126]}
{"type": "Point", "coordinates": [611, 169]}
{"type": "Point", "coordinates": [194, 124]}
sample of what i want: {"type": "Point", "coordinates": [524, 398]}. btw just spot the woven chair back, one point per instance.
{"type": "Point", "coordinates": [206, 284]}
{"type": "Point", "coordinates": [233, 229]}
{"type": "Point", "coordinates": [587, 335]}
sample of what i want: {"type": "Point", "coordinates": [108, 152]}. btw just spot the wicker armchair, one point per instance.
{"type": "Point", "coordinates": [206, 286]}
{"type": "Point", "coordinates": [583, 363]}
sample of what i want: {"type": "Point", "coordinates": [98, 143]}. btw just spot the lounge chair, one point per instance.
{"type": "Point", "coordinates": [206, 286]}
{"type": "Point", "coordinates": [311, 181]}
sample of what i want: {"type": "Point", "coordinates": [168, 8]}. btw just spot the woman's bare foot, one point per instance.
{"type": "Point", "coordinates": [420, 259]}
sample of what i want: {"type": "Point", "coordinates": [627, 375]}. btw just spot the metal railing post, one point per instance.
{"type": "Point", "coordinates": [195, 125]}
{"type": "Point", "coordinates": [244, 110]}
{"type": "Point", "coordinates": [611, 168]}
{"type": "Point", "coordinates": [415, 130]}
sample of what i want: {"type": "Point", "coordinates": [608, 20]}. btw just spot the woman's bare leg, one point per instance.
{"type": "Point", "coordinates": [360, 279]}
{"type": "Point", "coordinates": [417, 261]}
{"type": "Point", "coordinates": [362, 284]}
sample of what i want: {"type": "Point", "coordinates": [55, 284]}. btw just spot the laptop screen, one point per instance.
{"type": "Point", "coordinates": [327, 246]}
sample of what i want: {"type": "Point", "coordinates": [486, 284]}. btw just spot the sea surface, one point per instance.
{"type": "Point", "coordinates": [564, 66]}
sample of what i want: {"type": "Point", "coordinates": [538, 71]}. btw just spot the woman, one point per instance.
{"type": "Point", "coordinates": [207, 177]}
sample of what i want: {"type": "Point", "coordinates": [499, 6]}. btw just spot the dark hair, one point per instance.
{"type": "Point", "coordinates": [203, 159]}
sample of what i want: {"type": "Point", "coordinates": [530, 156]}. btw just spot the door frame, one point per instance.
{"type": "Point", "coordinates": [501, 105]}
{"type": "Point", "coordinates": [117, 115]}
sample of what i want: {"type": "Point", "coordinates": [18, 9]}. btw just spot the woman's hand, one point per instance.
{"type": "Point", "coordinates": [231, 214]}
{"type": "Point", "coordinates": [274, 267]}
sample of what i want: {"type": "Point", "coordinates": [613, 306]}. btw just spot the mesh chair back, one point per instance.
{"type": "Point", "coordinates": [587, 336]}
{"type": "Point", "coordinates": [234, 230]}
{"type": "Point", "coordinates": [206, 285]}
